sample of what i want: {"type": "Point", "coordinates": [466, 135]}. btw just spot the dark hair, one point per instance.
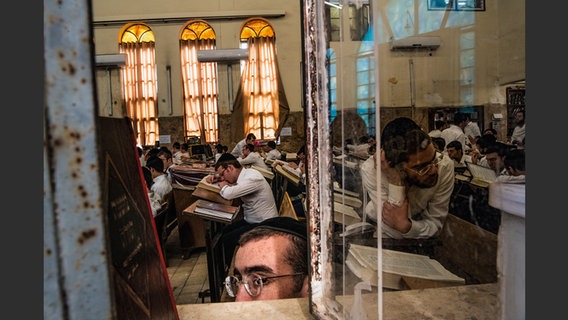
{"type": "Point", "coordinates": [438, 124]}
{"type": "Point", "coordinates": [439, 143]}
{"type": "Point", "coordinates": [400, 148]}
{"type": "Point", "coordinates": [460, 117]}
{"type": "Point", "coordinates": [176, 145]}
{"type": "Point", "coordinates": [499, 147]}
{"type": "Point", "coordinates": [250, 146]}
{"type": "Point", "coordinates": [401, 138]}
{"type": "Point", "coordinates": [485, 141]}
{"type": "Point", "coordinates": [166, 153]}
{"type": "Point", "coordinates": [251, 136]}
{"type": "Point", "coordinates": [156, 163]}
{"type": "Point", "coordinates": [272, 144]}
{"type": "Point", "coordinates": [515, 158]}
{"type": "Point", "coordinates": [219, 148]}
{"type": "Point", "coordinates": [455, 144]}
{"type": "Point", "coordinates": [185, 146]}
{"type": "Point", "coordinates": [397, 127]}
{"type": "Point", "coordinates": [147, 177]}
{"type": "Point", "coordinates": [226, 159]}
{"type": "Point", "coordinates": [152, 152]}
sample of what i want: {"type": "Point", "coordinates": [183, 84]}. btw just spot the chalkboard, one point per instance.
{"type": "Point", "coordinates": [140, 282]}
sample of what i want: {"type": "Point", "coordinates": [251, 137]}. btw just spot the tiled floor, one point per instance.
{"type": "Point", "coordinates": [188, 277]}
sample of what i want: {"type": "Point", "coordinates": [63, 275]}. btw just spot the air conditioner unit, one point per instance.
{"type": "Point", "coordinates": [222, 55]}
{"type": "Point", "coordinates": [102, 60]}
{"type": "Point", "coordinates": [408, 43]}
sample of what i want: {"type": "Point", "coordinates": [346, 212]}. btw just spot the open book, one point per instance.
{"type": "Point", "coordinates": [288, 173]}
{"type": "Point", "coordinates": [214, 187]}
{"type": "Point", "coordinates": [401, 270]}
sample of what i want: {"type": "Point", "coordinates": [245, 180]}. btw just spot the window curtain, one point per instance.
{"type": "Point", "coordinates": [139, 84]}
{"type": "Point", "coordinates": [260, 105]}
{"type": "Point", "coordinates": [200, 91]}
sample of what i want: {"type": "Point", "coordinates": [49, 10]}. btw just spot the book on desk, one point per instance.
{"type": "Point", "coordinates": [289, 173]}
{"type": "Point", "coordinates": [213, 211]}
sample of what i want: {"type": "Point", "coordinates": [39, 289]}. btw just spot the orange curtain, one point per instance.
{"type": "Point", "coordinates": [200, 92]}
{"type": "Point", "coordinates": [139, 84]}
{"type": "Point", "coordinates": [260, 104]}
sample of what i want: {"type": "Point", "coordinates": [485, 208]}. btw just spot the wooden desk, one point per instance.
{"type": "Point", "coordinates": [216, 264]}
{"type": "Point", "coordinates": [461, 302]}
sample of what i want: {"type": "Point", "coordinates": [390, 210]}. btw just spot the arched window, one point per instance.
{"type": "Point", "coordinates": [139, 81]}
{"type": "Point", "coordinates": [261, 100]}
{"type": "Point", "coordinates": [199, 82]}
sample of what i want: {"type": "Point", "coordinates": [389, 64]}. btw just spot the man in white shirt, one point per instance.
{"type": "Point", "coordinates": [252, 189]}
{"type": "Point", "coordinates": [518, 135]}
{"type": "Point", "coordinates": [161, 185]}
{"type": "Point", "coordinates": [471, 131]}
{"type": "Point", "coordinates": [238, 149]}
{"type": "Point", "coordinates": [455, 152]}
{"type": "Point", "coordinates": [252, 158]}
{"type": "Point", "coordinates": [455, 131]}
{"type": "Point", "coordinates": [273, 153]}
{"type": "Point", "coordinates": [416, 182]}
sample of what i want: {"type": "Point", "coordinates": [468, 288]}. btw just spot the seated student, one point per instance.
{"type": "Point", "coordinates": [238, 149]}
{"type": "Point", "coordinates": [479, 150]}
{"type": "Point", "coordinates": [495, 155]}
{"type": "Point", "coordinates": [514, 163]}
{"type": "Point", "coordinates": [416, 182]}
{"type": "Point", "coordinates": [248, 185]}
{"type": "Point", "coordinates": [161, 185]}
{"type": "Point", "coordinates": [297, 193]}
{"type": "Point", "coordinates": [455, 152]}
{"type": "Point", "coordinates": [155, 204]}
{"type": "Point", "coordinates": [218, 151]}
{"type": "Point", "coordinates": [166, 155]}
{"type": "Point", "coordinates": [252, 158]}
{"type": "Point", "coordinates": [272, 153]}
{"type": "Point", "coordinates": [271, 262]}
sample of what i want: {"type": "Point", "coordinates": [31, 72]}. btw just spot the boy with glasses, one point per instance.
{"type": "Point", "coordinates": [271, 262]}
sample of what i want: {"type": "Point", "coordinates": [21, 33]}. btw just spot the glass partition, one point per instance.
{"type": "Point", "coordinates": [366, 63]}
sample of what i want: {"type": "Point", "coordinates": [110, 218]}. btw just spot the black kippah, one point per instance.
{"type": "Point", "coordinates": [286, 225]}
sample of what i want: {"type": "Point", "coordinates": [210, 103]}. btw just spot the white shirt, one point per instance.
{"type": "Point", "coordinates": [456, 133]}
{"type": "Point", "coordinates": [518, 133]}
{"type": "Point", "coordinates": [273, 155]}
{"type": "Point", "coordinates": [428, 207]}
{"type": "Point", "coordinates": [255, 193]}
{"type": "Point", "coordinates": [238, 149]}
{"type": "Point", "coordinates": [254, 158]}
{"type": "Point", "coordinates": [161, 186]}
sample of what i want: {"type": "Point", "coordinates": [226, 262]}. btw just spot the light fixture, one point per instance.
{"type": "Point", "coordinates": [338, 6]}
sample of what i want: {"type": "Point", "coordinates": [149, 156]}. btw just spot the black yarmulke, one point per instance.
{"type": "Point", "coordinates": [287, 225]}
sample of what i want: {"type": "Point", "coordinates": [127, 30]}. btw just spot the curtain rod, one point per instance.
{"type": "Point", "coordinates": [114, 21]}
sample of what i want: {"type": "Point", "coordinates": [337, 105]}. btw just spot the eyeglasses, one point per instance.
{"type": "Point", "coordinates": [253, 283]}
{"type": "Point", "coordinates": [220, 174]}
{"type": "Point", "coordinates": [425, 168]}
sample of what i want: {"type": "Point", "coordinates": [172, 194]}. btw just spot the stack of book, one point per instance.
{"type": "Point", "coordinates": [215, 211]}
